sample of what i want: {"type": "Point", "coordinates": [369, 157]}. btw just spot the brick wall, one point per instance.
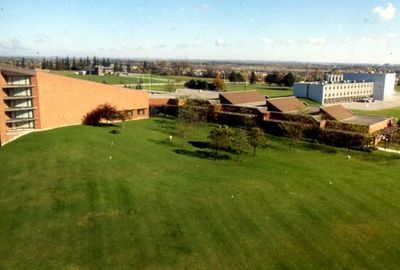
{"type": "Point", "coordinates": [65, 101]}
{"type": "Point", "coordinates": [3, 127]}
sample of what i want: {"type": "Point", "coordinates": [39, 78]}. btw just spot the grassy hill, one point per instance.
{"type": "Point", "coordinates": [158, 204]}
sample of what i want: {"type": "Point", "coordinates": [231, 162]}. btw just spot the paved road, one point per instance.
{"type": "Point", "coordinates": [373, 106]}
{"type": "Point", "coordinates": [388, 150]}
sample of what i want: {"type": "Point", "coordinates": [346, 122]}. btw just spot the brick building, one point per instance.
{"type": "Point", "coordinates": [35, 99]}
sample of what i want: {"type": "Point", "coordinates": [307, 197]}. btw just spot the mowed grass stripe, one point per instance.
{"type": "Point", "coordinates": [64, 204]}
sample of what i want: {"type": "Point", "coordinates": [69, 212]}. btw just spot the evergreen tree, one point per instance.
{"type": "Point", "coordinates": [57, 64]}
{"type": "Point", "coordinates": [23, 62]}
{"type": "Point", "coordinates": [74, 64]}
{"type": "Point", "coordinates": [253, 78]}
{"type": "Point", "coordinates": [43, 64]}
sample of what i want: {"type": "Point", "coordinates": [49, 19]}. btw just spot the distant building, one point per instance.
{"type": "Point", "coordinates": [102, 70]}
{"type": "Point", "coordinates": [35, 99]}
{"type": "Point", "coordinates": [383, 82]}
{"type": "Point", "coordinates": [334, 92]}
{"type": "Point", "coordinates": [348, 87]}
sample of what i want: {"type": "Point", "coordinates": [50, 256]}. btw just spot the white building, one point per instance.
{"type": "Point", "coordinates": [383, 82]}
{"type": "Point", "coordinates": [333, 92]}
{"type": "Point", "coordinates": [347, 87]}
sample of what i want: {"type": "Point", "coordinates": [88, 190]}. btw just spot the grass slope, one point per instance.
{"type": "Point", "coordinates": [158, 205]}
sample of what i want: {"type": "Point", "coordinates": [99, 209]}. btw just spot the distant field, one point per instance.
{"type": "Point", "coordinates": [114, 79]}
{"type": "Point", "coordinates": [158, 204]}
{"type": "Point", "coordinates": [269, 90]}
{"type": "Point", "coordinates": [394, 112]}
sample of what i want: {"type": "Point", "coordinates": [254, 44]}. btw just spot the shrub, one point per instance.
{"type": "Point", "coordinates": [104, 111]}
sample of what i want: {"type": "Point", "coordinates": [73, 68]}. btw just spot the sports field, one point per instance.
{"type": "Point", "coordinates": [158, 204]}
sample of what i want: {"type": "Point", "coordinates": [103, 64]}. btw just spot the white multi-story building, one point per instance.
{"type": "Point", "coordinates": [347, 87]}
{"type": "Point", "coordinates": [383, 82]}
{"type": "Point", "coordinates": [330, 93]}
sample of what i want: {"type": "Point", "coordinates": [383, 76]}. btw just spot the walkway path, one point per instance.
{"type": "Point", "coordinates": [373, 106]}
{"type": "Point", "coordinates": [389, 150]}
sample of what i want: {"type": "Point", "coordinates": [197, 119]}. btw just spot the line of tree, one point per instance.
{"type": "Point", "coordinates": [76, 64]}
{"type": "Point", "coordinates": [280, 78]}
{"type": "Point", "coordinates": [216, 85]}
{"type": "Point", "coordinates": [238, 141]}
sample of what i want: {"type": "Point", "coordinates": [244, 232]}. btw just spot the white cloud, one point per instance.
{"type": "Point", "coordinates": [204, 7]}
{"type": "Point", "coordinates": [367, 40]}
{"type": "Point", "coordinates": [41, 38]}
{"type": "Point", "coordinates": [267, 41]}
{"type": "Point", "coordinates": [290, 41]}
{"type": "Point", "coordinates": [378, 40]}
{"type": "Point", "coordinates": [171, 28]}
{"type": "Point", "coordinates": [385, 14]}
{"type": "Point", "coordinates": [220, 42]}
{"type": "Point", "coordinates": [317, 40]}
{"type": "Point", "coordinates": [391, 35]}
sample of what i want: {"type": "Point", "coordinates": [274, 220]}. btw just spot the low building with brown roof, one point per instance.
{"type": "Point", "coordinates": [285, 104]}
{"type": "Point", "coordinates": [246, 98]}
{"type": "Point", "coordinates": [336, 112]}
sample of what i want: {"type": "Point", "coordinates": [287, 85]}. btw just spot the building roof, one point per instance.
{"type": "Point", "coordinates": [337, 112]}
{"type": "Point", "coordinates": [242, 97]}
{"type": "Point", "coordinates": [285, 104]}
{"type": "Point", "coordinates": [365, 120]}
{"type": "Point", "coordinates": [11, 70]}
{"type": "Point", "coordinates": [196, 94]}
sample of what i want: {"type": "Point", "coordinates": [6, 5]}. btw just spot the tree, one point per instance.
{"type": "Point", "coordinates": [219, 83]}
{"type": "Point", "coordinates": [23, 62]}
{"type": "Point", "coordinates": [219, 137]}
{"type": "Point", "coordinates": [257, 138]}
{"type": "Point", "coordinates": [74, 66]}
{"type": "Point", "coordinates": [236, 76]}
{"type": "Point", "coordinates": [289, 79]}
{"type": "Point", "coordinates": [239, 143]}
{"type": "Point", "coordinates": [104, 111]}
{"type": "Point", "coordinates": [253, 78]}
{"type": "Point", "coordinates": [43, 64]}
{"type": "Point", "coordinates": [270, 78]}
{"type": "Point", "coordinates": [293, 130]}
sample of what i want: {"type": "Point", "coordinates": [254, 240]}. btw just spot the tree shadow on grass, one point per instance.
{"type": "Point", "coordinates": [162, 142]}
{"type": "Point", "coordinates": [201, 154]}
{"type": "Point", "coordinates": [102, 125]}
{"type": "Point", "coordinates": [319, 147]}
{"type": "Point", "coordinates": [201, 145]}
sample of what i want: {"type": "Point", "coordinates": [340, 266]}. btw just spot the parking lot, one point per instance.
{"type": "Point", "coordinates": [376, 105]}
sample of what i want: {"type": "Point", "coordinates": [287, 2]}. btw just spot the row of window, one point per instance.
{"type": "Point", "coordinates": [19, 92]}
{"type": "Point", "coordinates": [21, 125]}
{"type": "Point", "coordinates": [352, 86]}
{"type": "Point", "coordinates": [343, 94]}
{"type": "Point", "coordinates": [18, 80]}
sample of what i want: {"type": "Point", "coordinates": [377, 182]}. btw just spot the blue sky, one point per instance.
{"type": "Point", "coordinates": [355, 31]}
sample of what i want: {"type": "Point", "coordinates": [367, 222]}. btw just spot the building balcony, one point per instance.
{"type": "Point", "coordinates": [19, 120]}
{"type": "Point", "coordinates": [8, 86]}
{"type": "Point", "coordinates": [19, 109]}
{"type": "Point", "coordinates": [18, 97]}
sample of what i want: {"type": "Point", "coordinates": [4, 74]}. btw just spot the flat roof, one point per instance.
{"type": "Point", "coordinates": [251, 97]}
{"type": "Point", "coordinates": [12, 70]}
{"type": "Point", "coordinates": [365, 120]}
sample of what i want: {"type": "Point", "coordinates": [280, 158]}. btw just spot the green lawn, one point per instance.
{"type": "Point", "coordinates": [115, 79]}
{"type": "Point", "coordinates": [393, 112]}
{"type": "Point", "coordinates": [269, 90]}
{"type": "Point", "coordinates": [164, 205]}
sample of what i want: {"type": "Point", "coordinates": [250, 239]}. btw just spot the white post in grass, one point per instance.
{"type": "Point", "coordinates": [112, 143]}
